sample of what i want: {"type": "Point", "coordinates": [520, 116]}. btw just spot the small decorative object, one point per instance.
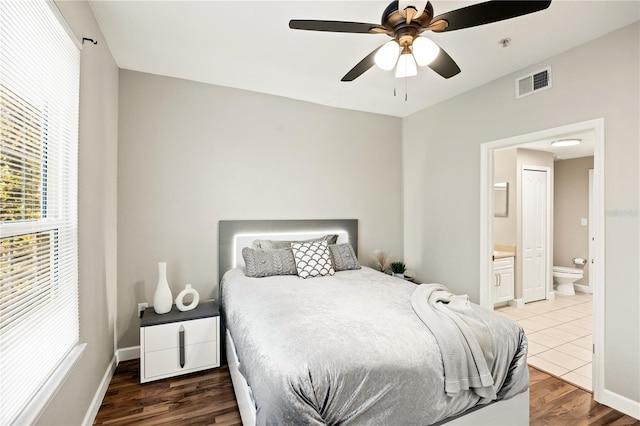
{"type": "Point", "coordinates": [162, 298]}
{"type": "Point", "coordinates": [398, 269]}
{"type": "Point", "coordinates": [180, 299]}
{"type": "Point", "coordinates": [382, 258]}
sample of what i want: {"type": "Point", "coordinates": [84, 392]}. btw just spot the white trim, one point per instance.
{"type": "Point", "coordinates": [486, 219]}
{"type": "Point", "coordinates": [597, 268]}
{"type": "Point", "coordinates": [621, 403]}
{"type": "Point", "coordinates": [127, 354]}
{"type": "Point", "coordinates": [517, 303]}
{"type": "Point", "coordinates": [41, 400]}
{"type": "Point", "coordinates": [582, 288]}
{"type": "Point", "coordinates": [597, 272]}
{"type": "Point", "coordinates": [96, 402]}
{"type": "Point", "coordinates": [589, 283]}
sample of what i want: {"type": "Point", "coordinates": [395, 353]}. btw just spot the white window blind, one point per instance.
{"type": "Point", "coordinates": [39, 91]}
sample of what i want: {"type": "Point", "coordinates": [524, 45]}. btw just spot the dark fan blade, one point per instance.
{"type": "Point", "coordinates": [444, 65]}
{"type": "Point", "coordinates": [335, 26]}
{"type": "Point", "coordinates": [361, 67]}
{"type": "Point", "coordinates": [487, 12]}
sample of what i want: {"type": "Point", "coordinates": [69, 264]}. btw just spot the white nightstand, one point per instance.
{"type": "Point", "coordinates": [179, 342]}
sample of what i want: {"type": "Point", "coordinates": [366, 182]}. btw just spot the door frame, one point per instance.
{"type": "Point", "coordinates": [597, 272]}
{"type": "Point", "coordinates": [548, 251]}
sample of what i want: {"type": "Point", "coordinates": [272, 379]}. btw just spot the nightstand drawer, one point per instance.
{"type": "Point", "coordinates": [165, 336]}
{"type": "Point", "coordinates": [166, 362]}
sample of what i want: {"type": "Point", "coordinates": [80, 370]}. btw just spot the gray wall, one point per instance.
{"type": "Point", "coordinates": [442, 173]}
{"type": "Point", "coordinates": [97, 214]}
{"type": "Point", "coordinates": [571, 203]}
{"type": "Point", "coordinates": [191, 154]}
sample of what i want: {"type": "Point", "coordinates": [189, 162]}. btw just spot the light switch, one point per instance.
{"type": "Point", "coordinates": [583, 221]}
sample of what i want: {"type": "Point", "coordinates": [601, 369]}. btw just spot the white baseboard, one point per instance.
{"type": "Point", "coordinates": [92, 412]}
{"type": "Point", "coordinates": [582, 288]}
{"type": "Point", "coordinates": [621, 403]}
{"type": "Point", "coordinates": [126, 354]}
{"type": "Point", "coordinates": [517, 303]}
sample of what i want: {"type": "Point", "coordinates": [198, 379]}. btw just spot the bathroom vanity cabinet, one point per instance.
{"type": "Point", "coordinates": [503, 279]}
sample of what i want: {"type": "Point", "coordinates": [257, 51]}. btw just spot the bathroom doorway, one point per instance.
{"type": "Point", "coordinates": [596, 223]}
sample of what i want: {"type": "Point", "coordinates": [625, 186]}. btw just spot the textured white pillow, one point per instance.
{"type": "Point", "coordinates": [312, 259]}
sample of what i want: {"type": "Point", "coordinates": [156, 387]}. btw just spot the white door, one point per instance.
{"type": "Point", "coordinates": [534, 235]}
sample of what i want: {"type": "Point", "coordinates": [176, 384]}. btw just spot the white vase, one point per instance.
{"type": "Point", "coordinates": [180, 299]}
{"type": "Point", "coordinates": [162, 298]}
{"type": "Point", "coordinates": [397, 275]}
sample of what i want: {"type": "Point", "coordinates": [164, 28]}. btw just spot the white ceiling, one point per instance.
{"type": "Point", "coordinates": [248, 45]}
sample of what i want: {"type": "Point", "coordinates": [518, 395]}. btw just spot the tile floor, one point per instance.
{"type": "Point", "coordinates": [559, 335]}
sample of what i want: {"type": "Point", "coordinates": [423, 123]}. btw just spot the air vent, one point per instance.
{"type": "Point", "coordinates": [533, 83]}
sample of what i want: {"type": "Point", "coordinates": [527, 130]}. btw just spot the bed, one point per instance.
{"type": "Point", "coordinates": [351, 348]}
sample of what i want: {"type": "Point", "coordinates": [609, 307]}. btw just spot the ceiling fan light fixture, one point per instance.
{"type": "Point", "coordinates": [566, 142]}
{"type": "Point", "coordinates": [424, 51]}
{"type": "Point", "coordinates": [406, 66]}
{"type": "Point", "coordinates": [387, 57]}
{"type": "Point", "coordinates": [404, 20]}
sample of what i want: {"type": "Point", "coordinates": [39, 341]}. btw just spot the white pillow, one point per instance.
{"type": "Point", "coordinates": [312, 259]}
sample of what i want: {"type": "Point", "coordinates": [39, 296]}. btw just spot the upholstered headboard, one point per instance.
{"type": "Point", "coordinates": [233, 235]}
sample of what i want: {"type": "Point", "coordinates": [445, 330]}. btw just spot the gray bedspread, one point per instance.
{"type": "Point", "coordinates": [349, 349]}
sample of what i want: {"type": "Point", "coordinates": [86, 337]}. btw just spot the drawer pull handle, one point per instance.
{"type": "Point", "coordinates": [181, 337]}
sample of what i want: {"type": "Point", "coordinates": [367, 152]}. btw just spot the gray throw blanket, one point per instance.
{"type": "Point", "coordinates": [465, 341]}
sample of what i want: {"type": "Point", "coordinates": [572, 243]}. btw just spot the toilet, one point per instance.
{"type": "Point", "coordinates": [564, 278]}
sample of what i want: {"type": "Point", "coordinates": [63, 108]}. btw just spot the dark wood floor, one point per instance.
{"type": "Point", "coordinates": [204, 398]}
{"type": "Point", "coordinates": [207, 399]}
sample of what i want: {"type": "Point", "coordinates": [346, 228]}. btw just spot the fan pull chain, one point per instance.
{"type": "Point", "coordinates": [405, 88]}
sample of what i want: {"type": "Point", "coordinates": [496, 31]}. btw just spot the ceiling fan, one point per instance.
{"type": "Point", "coordinates": [405, 21]}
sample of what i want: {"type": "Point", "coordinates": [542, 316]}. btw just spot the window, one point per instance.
{"type": "Point", "coordinates": [39, 91]}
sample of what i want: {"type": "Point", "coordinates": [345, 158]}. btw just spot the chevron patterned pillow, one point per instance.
{"type": "Point", "coordinates": [312, 259]}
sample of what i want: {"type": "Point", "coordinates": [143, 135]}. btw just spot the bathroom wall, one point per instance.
{"type": "Point", "coordinates": [571, 203]}
{"type": "Point", "coordinates": [504, 170]}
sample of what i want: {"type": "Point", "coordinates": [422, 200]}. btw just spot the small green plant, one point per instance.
{"type": "Point", "coordinates": [398, 267]}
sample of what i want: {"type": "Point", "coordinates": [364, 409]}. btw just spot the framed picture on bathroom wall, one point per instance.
{"type": "Point", "coordinates": [501, 199]}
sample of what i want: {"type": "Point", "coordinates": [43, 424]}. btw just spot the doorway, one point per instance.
{"type": "Point", "coordinates": [597, 267]}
